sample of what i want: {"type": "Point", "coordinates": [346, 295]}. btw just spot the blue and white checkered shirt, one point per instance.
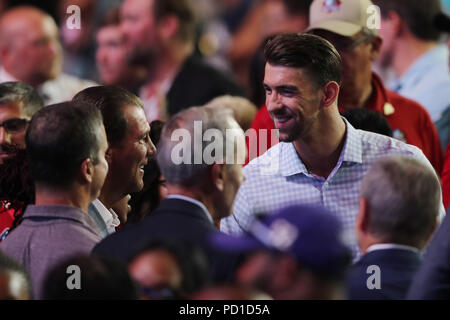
{"type": "Point", "coordinates": [279, 178]}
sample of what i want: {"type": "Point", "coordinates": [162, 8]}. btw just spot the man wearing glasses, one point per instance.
{"type": "Point", "coordinates": [18, 103]}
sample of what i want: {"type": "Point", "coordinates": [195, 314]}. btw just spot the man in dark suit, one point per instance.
{"type": "Point", "coordinates": [201, 187]}
{"type": "Point", "coordinates": [399, 206]}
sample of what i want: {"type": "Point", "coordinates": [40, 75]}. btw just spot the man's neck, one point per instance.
{"type": "Point", "coordinates": [407, 51]}
{"type": "Point", "coordinates": [193, 194]}
{"type": "Point", "coordinates": [50, 197]}
{"type": "Point", "coordinates": [320, 151]}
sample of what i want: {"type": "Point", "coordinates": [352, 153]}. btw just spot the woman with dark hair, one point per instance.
{"type": "Point", "coordinates": [144, 202]}
{"type": "Point", "coordinates": [16, 191]}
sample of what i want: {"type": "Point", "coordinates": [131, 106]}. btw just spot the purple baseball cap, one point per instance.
{"type": "Point", "coordinates": [310, 234]}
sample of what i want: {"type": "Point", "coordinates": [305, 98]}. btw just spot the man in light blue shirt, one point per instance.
{"type": "Point", "coordinates": [321, 158]}
{"type": "Point", "coordinates": [411, 48]}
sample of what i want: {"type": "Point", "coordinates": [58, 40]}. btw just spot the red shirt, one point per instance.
{"type": "Point", "coordinates": [404, 116]}
{"type": "Point", "coordinates": [6, 220]}
{"type": "Point", "coordinates": [446, 179]}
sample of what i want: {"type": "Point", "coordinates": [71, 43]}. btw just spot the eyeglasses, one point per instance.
{"type": "Point", "coordinates": [14, 125]}
{"type": "Point", "coordinates": [347, 46]}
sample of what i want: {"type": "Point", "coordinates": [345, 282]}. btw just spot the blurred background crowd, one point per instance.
{"type": "Point", "coordinates": [86, 177]}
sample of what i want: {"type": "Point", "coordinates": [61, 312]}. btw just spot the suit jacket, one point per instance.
{"type": "Point", "coordinates": [198, 83]}
{"type": "Point", "coordinates": [432, 281]}
{"type": "Point", "coordinates": [174, 220]}
{"type": "Point", "coordinates": [397, 269]}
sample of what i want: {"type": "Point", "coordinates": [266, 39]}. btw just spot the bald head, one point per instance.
{"type": "Point", "coordinates": [29, 45]}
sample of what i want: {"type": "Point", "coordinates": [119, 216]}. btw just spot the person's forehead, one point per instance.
{"type": "Point", "coordinates": [135, 116]}
{"type": "Point", "coordinates": [108, 33]}
{"type": "Point", "coordinates": [137, 6]}
{"type": "Point", "coordinates": [12, 110]}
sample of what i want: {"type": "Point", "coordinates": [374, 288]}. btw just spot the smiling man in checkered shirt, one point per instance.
{"type": "Point", "coordinates": [321, 158]}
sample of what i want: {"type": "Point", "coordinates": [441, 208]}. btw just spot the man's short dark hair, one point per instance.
{"type": "Point", "coordinates": [11, 92]}
{"type": "Point", "coordinates": [59, 138]}
{"type": "Point", "coordinates": [183, 10]}
{"type": "Point", "coordinates": [312, 53]}
{"type": "Point", "coordinates": [110, 100]}
{"type": "Point", "coordinates": [417, 14]}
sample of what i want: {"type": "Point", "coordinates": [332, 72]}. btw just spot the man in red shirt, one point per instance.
{"type": "Point", "coordinates": [18, 103]}
{"type": "Point", "coordinates": [341, 24]}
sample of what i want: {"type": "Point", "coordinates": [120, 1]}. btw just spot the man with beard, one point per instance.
{"type": "Point", "coordinates": [160, 35]}
{"type": "Point", "coordinates": [321, 158]}
{"type": "Point", "coordinates": [18, 103]}
{"type": "Point", "coordinates": [342, 24]}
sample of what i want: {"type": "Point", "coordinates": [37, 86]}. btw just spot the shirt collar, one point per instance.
{"type": "Point", "coordinates": [110, 218]}
{"type": "Point", "coordinates": [385, 246]}
{"type": "Point", "coordinates": [59, 211]}
{"type": "Point", "coordinates": [191, 200]}
{"type": "Point", "coordinates": [291, 164]}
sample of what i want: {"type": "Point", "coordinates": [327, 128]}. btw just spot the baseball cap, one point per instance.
{"type": "Point", "coordinates": [344, 17]}
{"type": "Point", "coordinates": [310, 234]}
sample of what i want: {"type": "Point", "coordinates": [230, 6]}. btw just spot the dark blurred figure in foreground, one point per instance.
{"type": "Point", "coordinates": [160, 36]}
{"type": "Point", "coordinates": [66, 144]}
{"type": "Point", "coordinates": [229, 292]}
{"type": "Point", "coordinates": [165, 270]}
{"type": "Point", "coordinates": [201, 189]}
{"type": "Point", "coordinates": [399, 207]}
{"type": "Point", "coordinates": [295, 254]}
{"type": "Point", "coordinates": [18, 103]}
{"type": "Point", "coordinates": [89, 278]}
{"type": "Point", "coordinates": [14, 280]}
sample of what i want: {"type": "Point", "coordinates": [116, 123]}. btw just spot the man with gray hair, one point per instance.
{"type": "Point", "coordinates": [200, 153]}
{"type": "Point", "coordinates": [18, 103]}
{"type": "Point", "coordinates": [399, 207]}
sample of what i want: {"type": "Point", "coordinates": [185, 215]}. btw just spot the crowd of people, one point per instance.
{"type": "Point", "coordinates": [228, 149]}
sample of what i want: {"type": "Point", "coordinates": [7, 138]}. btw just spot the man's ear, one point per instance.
{"type": "Point", "coordinates": [363, 217]}
{"type": "Point", "coordinates": [87, 170]}
{"type": "Point", "coordinates": [168, 27]}
{"type": "Point", "coordinates": [330, 93]}
{"type": "Point", "coordinates": [108, 155]}
{"type": "Point", "coordinates": [217, 175]}
{"type": "Point", "coordinates": [376, 44]}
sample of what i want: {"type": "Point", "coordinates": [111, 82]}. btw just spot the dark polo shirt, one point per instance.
{"type": "Point", "coordinates": [47, 236]}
